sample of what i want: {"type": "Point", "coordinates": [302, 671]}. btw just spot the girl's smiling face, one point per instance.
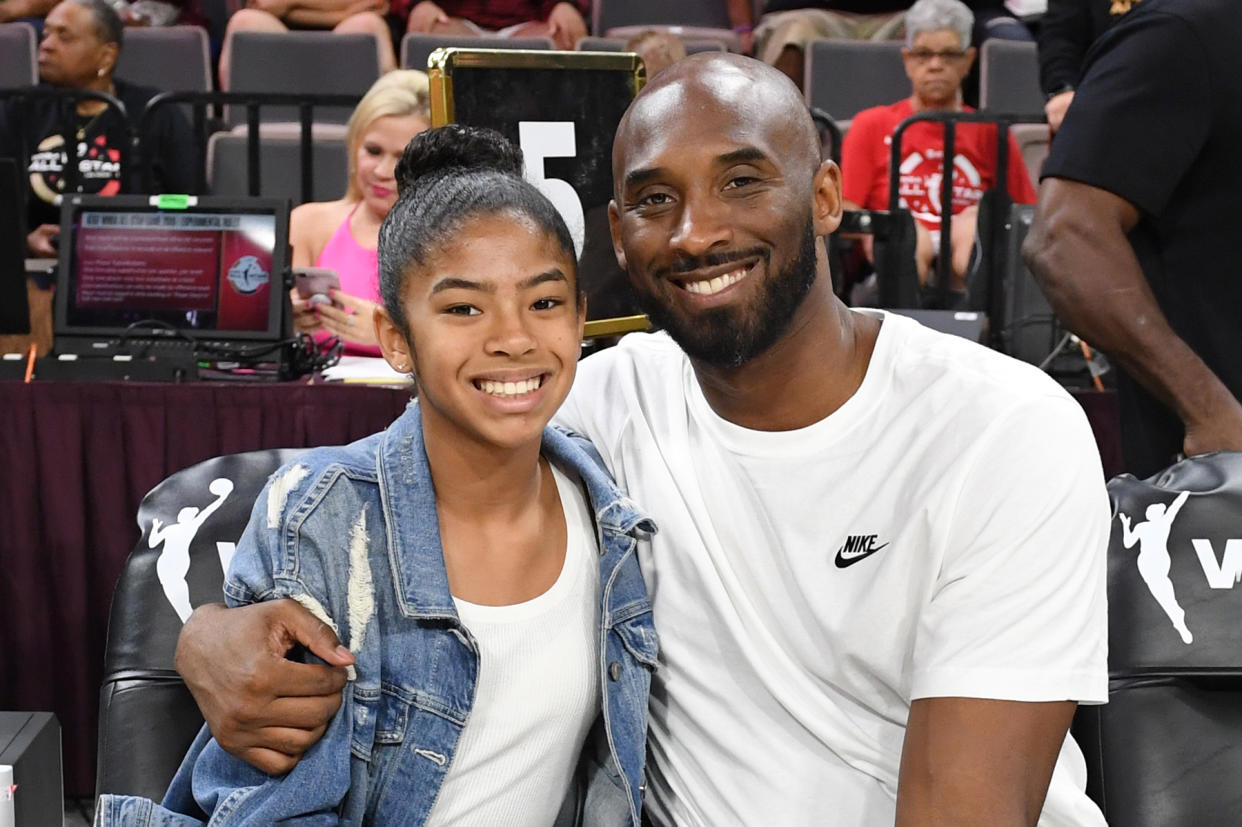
{"type": "Point", "coordinates": [495, 327]}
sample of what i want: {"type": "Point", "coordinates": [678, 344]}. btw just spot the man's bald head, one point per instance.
{"type": "Point", "coordinates": [725, 89]}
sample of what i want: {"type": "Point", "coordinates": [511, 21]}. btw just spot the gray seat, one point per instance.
{"type": "Point", "coordinates": [280, 166]}
{"type": "Point", "coordinates": [18, 66]}
{"type": "Point", "coordinates": [844, 77]}
{"type": "Point", "coordinates": [302, 62]}
{"type": "Point", "coordinates": [601, 44]}
{"type": "Point", "coordinates": [1009, 77]}
{"type": "Point", "coordinates": [1034, 140]}
{"type": "Point", "coordinates": [416, 48]}
{"type": "Point", "coordinates": [168, 58]}
{"type": "Point", "coordinates": [613, 14]}
{"type": "Point", "coordinates": [617, 44]}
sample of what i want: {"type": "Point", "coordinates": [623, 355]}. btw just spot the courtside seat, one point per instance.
{"type": "Point", "coordinates": [877, 76]}
{"type": "Point", "coordinates": [1166, 751]}
{"type": "Point", "coordinates": [295, 62]}
{"type": "Point", "coordinates": [417, 47]}
{"type": "Point", "coordinates": [18, 64]}
{"type": "Point", "coordinates": [190, 523]}
{"type": "Point", "coordinates": [168, 58]}
{"type": "Point", "coordinates": [280, 163]}
{"type": "Point", "coordinates": [1009, 77]}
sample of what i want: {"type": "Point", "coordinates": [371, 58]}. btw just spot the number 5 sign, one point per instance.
{"type": "Point", "coordinates": [562, 109]}
{"type": "Point", "coordinates": [553, 140]}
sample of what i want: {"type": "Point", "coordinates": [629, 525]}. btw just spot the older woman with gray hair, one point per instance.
{"type": "Point", "coordinates": [937, 57]}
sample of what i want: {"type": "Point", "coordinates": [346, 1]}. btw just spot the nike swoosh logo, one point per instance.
{"type": "Point", "coordinates": [845, 558]}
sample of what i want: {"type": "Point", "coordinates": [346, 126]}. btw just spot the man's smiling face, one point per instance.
{"type": "Point", "coordinates": [713, 212]}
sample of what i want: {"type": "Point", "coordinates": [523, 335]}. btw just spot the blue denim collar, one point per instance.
{"type": "Point", "coordinates": [409, 499]}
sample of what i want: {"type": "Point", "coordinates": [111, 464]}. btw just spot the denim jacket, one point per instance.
{"type": "Point", "coordinates": [318, 527]}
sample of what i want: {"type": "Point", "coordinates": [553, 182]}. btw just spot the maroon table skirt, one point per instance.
{"type": "Point", "coordinates": [75, 460]}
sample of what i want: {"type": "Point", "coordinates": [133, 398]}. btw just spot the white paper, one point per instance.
{"type": "Point", "coordinates": [365, 369]}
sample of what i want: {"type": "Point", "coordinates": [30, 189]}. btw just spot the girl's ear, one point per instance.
{"type": "Point", "coordinates": [398, 352]}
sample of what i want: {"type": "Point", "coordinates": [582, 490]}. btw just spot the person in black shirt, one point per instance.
{"type": "Point", "coordinates": [1135, 235]}
{"type": "Point", "coordinates": [79, 48]}
{"type": "Point", "coordinates": [1066, 32]}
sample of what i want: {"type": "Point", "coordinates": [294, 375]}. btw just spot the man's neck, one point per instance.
{"type": "Point", "coordinates": [809, 373]}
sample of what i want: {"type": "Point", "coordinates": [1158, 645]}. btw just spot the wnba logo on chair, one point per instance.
{"type": "Point", "coordinates": [175, 538]}
{"type": "Point", "coordinates": [1151, 535]}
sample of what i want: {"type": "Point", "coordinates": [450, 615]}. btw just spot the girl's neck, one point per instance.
{"type": "Point", "coordinates": [483, 482]}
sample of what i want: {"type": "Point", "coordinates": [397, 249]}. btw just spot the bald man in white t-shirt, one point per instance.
{"type": "Point", "coordinates": [879, 575]}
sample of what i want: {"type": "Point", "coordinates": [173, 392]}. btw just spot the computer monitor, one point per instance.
{"type": "Point", "coordinates": [178, 267]}
{"type": "Point", "coordinates": [14, 309]}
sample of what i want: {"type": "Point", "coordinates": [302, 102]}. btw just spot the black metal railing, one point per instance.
{"type": "Point", "coordinates": [997, 216]}
{"type": "Point", "coordinates": [204, 122]}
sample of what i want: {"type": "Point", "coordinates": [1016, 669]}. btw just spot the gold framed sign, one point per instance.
{"type": "Point", "coordinates": [562, 109]}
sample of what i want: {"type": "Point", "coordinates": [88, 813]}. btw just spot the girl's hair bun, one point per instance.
{"type": "Point", "coordinates": [458, 149]}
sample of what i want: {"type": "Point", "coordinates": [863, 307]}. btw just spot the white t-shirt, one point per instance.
{"type": "Point", "coordinates": [940, 534]}
{"type": "Point", "coordinates": [537, 693]}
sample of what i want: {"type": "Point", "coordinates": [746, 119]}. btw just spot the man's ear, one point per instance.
{"type": "Point", "coordinates": [827, 206]}
{"type": "Point", "coordinates": [971, 53]}
{"type": "Point", "coordinates": [397, 350]}
{"type": "Point", "coordinates": [614, 227]}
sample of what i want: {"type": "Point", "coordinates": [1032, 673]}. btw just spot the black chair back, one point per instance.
{"type": "Point", "coordinates": [190, 524]}
{"type": "Point", "coordinates": [1167, 748]}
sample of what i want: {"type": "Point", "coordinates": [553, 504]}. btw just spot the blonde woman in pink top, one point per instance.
{"type": "Point", "coordinates": [342, 235]}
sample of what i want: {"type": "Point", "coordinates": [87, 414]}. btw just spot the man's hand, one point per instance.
{"type": "Point", "coordinates": [425, 16]}
{"type": "Point", "coordinates": [971, 761]}
{"type": "Point", "coordinates": [1078, 248]}
{"type": "Point", "coordinates": [566, 26]}
{"type": "Point", "coordinates": [262, 708]}
{"type": "Point", "coordinates": [40, 240]}
{"type": "Point", "coordinates": [1215, 427]}
{"type": "Point", "coordinates": [1055, 108]}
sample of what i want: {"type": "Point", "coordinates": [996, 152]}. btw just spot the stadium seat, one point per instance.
{"type": "Point", "coordinates": [844, 77]}
{"type": "Point", "coordinates": [601, 44]}
{"type": "Point", "coordinates": [18, 65]}
{"type": "Point", "coordinates": [168, 58]}
{"type": "Point", "coordinates": [617, 44]}
{"type": "Point", "coordinates": [1167, 748]}
{"type": "Point", "coordinates": [1033, 140]}
{"type": "Point", "coordinates": [1009, 77]}
{"type": "Point", "coordinates": [295, 62]}
{"type": "Point", "coordinates": [280, 163]}
{"type": "Point", "coordinates": [608, 15]}
{"type": "Point", "coordinates": [416, 48]}
{"type": "Point", "coordinates": [147, 717]}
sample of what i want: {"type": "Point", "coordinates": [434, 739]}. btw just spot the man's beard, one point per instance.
{"type": "Point", "coordinates": [729, 337]}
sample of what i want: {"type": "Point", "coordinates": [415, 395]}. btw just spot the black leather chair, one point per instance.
{"type": "Point", "coordinates": [1166, 751]}
{"type": "Point", "coordinates": [147, 717]}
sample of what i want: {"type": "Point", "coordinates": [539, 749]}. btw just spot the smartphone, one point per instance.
{"type": "Point", "coordinates": [313, 283]}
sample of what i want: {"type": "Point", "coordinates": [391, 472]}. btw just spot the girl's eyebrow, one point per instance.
{"type": "Point", "coordinates": [456, 283]}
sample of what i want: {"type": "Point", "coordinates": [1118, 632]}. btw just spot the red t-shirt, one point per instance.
{"type": "Point", "coordinates": [867, 148]}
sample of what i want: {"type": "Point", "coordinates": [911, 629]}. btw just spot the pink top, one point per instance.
{"type": "Point", "coordinates": [358, 269]}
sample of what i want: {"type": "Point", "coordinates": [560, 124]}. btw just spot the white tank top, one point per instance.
{"type": "Point", "coordinates": [537, 695]}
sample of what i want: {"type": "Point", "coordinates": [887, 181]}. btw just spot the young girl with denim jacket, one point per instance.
{"type": "Point", "coordinates": [479, 566]}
